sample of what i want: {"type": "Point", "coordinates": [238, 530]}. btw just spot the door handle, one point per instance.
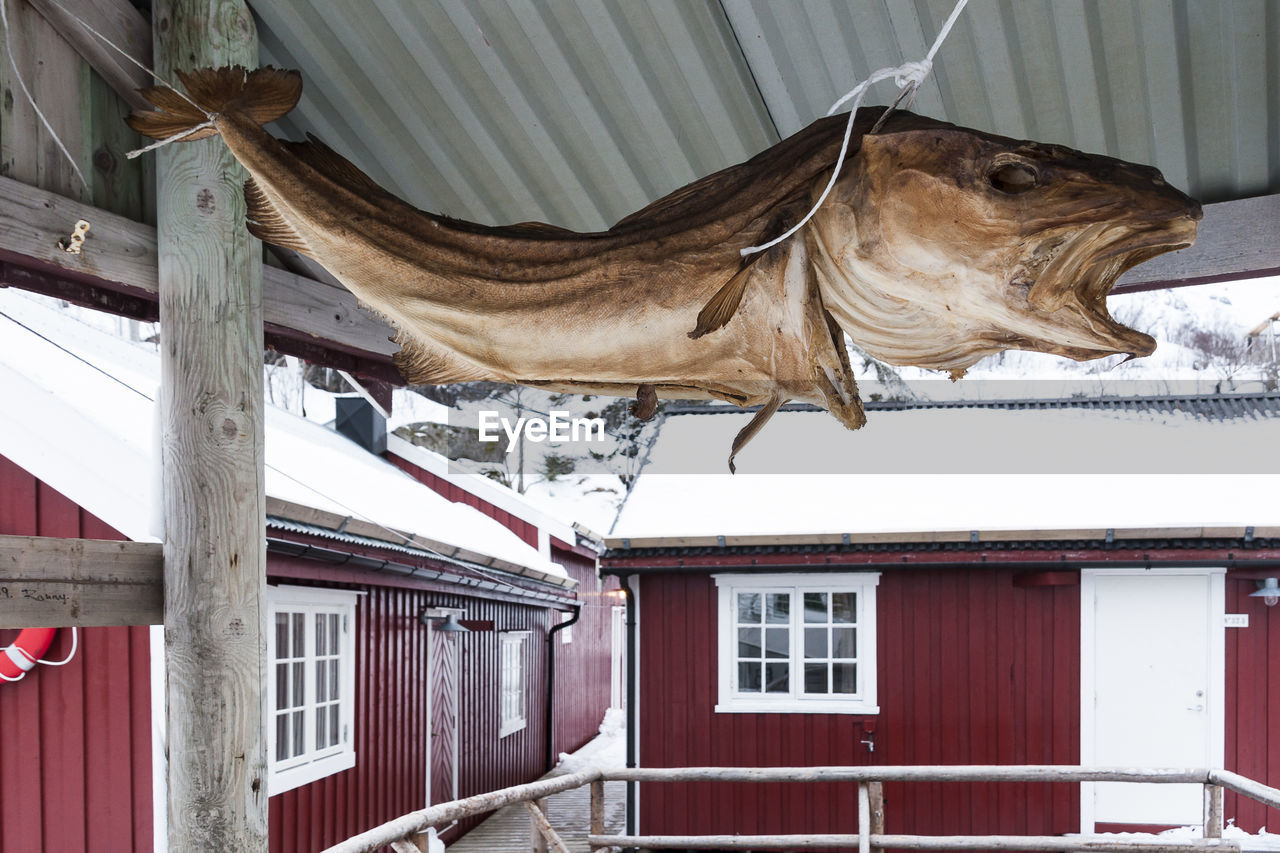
{"type": "Point", "coordinates": [1195, 707]}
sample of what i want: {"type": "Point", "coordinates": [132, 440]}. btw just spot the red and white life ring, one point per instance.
{"type": "Point", "coordinates": [25, 652]}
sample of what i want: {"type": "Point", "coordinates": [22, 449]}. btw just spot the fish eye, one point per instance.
{"type": "Point", "coordinates": [1013, 178]}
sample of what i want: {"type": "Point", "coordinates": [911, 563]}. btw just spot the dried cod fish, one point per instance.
{"type": "Point", "coordinates": [937, 247]}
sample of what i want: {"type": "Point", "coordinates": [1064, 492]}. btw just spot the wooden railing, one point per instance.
{"type": "Point", "coordinates": [871, 836]}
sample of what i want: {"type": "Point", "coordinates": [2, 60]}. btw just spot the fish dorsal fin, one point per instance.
{"type": "Point", "coordinates": [756, 424]}
{"type": "Point", "coordinates": [265, 222]}
{"type": "Point", "coordinates": [335, 167]}
{"type": "Point", "coordinates": [721, 307]}
{"type": "Point", "coordinates": [536, 229]}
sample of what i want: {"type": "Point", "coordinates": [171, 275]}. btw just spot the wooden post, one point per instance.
{"type": "Point", "coordinates": [1212, 811]}
{"type": "Point", "coordinates": [864, 818]}
{"type": "Point", "coordinates": [597, 810]}
{"type": "Point", "coordinates": [875, 791]}
{"type": "Point", "coordinates": [212, 414]}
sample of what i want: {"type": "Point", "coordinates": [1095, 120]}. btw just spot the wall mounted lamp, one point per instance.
{"type": "Point", "coordinates": [449, 625]}
{"type": "Point", "coordinates": [1268, 591]}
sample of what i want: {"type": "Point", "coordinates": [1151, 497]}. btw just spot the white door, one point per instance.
{"type": "Point", "coordinates": [1152, 684]}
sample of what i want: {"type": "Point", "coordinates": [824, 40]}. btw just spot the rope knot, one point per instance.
{"type": "Point", "coordinates": [912, 73]}
{"type": "Point", "coordinates": [908, 74]}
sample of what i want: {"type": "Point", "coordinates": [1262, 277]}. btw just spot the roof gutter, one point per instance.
{"type": "Point", "coordinates": [630, 568]}
{"type": "Point", "coordinates": [551, 684]}
{"type": "Point", "coordinates": [332, 556]}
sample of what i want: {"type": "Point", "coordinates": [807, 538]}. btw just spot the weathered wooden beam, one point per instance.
{"type": "Point", "coordinates": [58, 583]}
{"type": "Point", "coordinates": [418, 821]}
{"type": "Point", "coordinates": [120, 254]}
{"type": "Point", "coordinates": [210, 286]}
{"type": "Point", "coordinates": [1251, 788]}
{"type": "Point", "coordinates": [1236, 239]}
{"type": "Point", "coordinates": [119, 21]}
{"type": "Point", "coordinates": [1056, 843]}
{"type": "Point", "coordinates": [914, 773]}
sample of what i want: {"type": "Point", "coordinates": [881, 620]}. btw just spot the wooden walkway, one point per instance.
{"type": "Point", "coordinates": [508, 831]}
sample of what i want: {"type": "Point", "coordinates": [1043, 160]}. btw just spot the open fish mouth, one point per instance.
{"type": "Point", "coordinates": [1078, 273]}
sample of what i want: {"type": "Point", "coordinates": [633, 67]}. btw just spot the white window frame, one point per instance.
{"type": "Point", "coordinates": [510, 718]}
{"type": "Point", "coordinates": [864, 701]}
{"type": "Point", "coordinates": [312, 764]}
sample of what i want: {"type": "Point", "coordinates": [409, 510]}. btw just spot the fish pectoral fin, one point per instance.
{"type": "Point", "coordinates": [266, 223]}
{"type": "Point", "coordinates": [721, 307]}
{"type": "Point", "coordinates": [757, 423]}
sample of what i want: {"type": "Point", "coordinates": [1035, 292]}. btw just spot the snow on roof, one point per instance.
{"type": "Point", "coordinates": [955, 470]}
{"type": "Point", "coordinates": [90, 431]}
{"type": "Point", "coordinates": [521, 506]}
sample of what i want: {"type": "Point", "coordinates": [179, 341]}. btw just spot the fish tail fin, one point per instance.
{"type": "Point", "coordinates": [263, 95]}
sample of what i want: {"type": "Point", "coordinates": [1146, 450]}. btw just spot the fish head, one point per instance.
{"type": "Point", "coordinates": [942, 245]}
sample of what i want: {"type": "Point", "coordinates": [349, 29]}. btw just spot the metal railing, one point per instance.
{"type": "Point", "coordinates": [871, 836]}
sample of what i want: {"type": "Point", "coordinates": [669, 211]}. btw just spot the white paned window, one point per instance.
{"type": "Point", "coordinates": [310, 684]}
{"type": "Point", "coordinates": [514, 686]}
{"type": "Point", "coordinates": [797, 643]}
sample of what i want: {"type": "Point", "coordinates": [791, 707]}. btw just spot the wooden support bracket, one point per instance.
{"type": "Point", "coordinates": [56, 583]}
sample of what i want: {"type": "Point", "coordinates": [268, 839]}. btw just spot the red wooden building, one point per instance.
{"type": "Point", "coordinates": [1098, 645]}
{"type": "Point", "coordinates": [371, 710]}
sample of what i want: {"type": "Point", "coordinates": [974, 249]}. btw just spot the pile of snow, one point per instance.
{"type": "Point", "coordinates": [606, 751]}
{"type": "Point", "coordinates": [1261, 840]}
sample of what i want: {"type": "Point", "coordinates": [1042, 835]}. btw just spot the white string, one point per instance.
{"type": "Point", "coordinates": [69, 656]}
{"type": "Point", "coordinates": [13, 63]}
{"type": "Point", "coordinates": [138, 152]}
{"type": "Point", "coordinates": [908, 75]}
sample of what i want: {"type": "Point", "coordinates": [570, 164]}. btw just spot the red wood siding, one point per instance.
{"type": "Point", "coordinates": [75, 760]}
{"type": "Point", "coordinates": [971, 670]}
{"type": "Point", "coordinates": [1253, 701]}
{"type": "Point", "coordinates": [80, 735]}
{"type": "Point", "coordinates": [389, 778]}
{"type": "Point", "coordinates": [524, 529]}
{"type": "Point", "coordinates": [583, 666]}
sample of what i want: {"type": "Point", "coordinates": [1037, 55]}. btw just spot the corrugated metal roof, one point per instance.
{"type": "Point", "coordinates": [1213, 407]}
{"type": "Point", "coordinates": [798, 545]}
{"type": "Point", "coordinates": [578, 112]}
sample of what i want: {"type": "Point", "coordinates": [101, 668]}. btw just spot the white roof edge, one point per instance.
{"type": "Point", "coordinates": [70, 455]}
{"type": "Point", "coordinates": [485, 489]}
{"type": "Point", "coordinates": [981, 535]}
